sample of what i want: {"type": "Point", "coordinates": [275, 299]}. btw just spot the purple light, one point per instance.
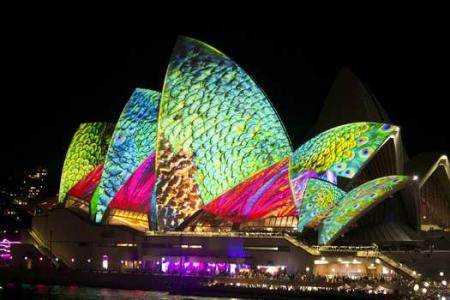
{"type": "Point", "coordinates": [221, 266]}
{"type": "Point", "coordinates": [196, 265]}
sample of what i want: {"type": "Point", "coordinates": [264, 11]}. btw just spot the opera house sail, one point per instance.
{"type": "Point", "coordinates": [210, 148]}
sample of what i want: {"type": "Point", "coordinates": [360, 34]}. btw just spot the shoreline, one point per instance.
{"type": "Point", "coordinates": [174, 285]}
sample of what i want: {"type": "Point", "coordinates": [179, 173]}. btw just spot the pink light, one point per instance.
{"type": "Point", "coordinates": [196, 265]}
{"type": "Point", "coordinates": [105, 262]}
{"type": "Point", "coordinates": [135, 192]}
{"type": "Point", "coordinates": [8, 242]}
{"type": "Point", "coordinates": [5, 249]}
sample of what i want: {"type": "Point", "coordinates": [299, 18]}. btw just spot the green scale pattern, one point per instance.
{"type": "Point", "coordinates": [86, 151]}
{"type": "Point", "coordinates": [356, 203]}
{"type": "Point", "coordinates": [211, 109]}
{"type": "Point", "coordinates": [319, 199]}
{"type": "Point", "coordinates": [342, 150]}
{"type": "Point", "coordinates": [134, 139]}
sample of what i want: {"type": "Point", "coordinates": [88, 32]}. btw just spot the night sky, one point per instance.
{"type": "Point", "coordinates": [54, 80]}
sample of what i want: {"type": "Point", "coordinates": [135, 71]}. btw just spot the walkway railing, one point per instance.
{"type": "Point", "coordinates": [301, 245]}
{"type": "Point", "coordinates": [393, 263]}
{"type": "Point", "coordinates": [43, 248]}
{"type": "Point", "coordinates": [216, 234]}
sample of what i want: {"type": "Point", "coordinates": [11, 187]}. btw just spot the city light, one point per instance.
{"type": "Point", "coordinates": [105, 262]}
{"type": "Point", "coordinates": [416, 287]}
{"type": "Point", "coordinates": [320, 262]}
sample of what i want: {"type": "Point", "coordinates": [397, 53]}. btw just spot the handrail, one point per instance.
{"type": "Point", "coordinates": [398, 265]}
{"type": "Point", "coordinates": [215, 234]}
{"type": "Point", "coordinates": [43, 249]}
{"type": "Point", "coordinates": [301, 245]}
{"type": "Point", "coordinates": [391, 262]}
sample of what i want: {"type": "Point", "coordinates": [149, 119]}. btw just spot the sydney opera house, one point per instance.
{"type": "Point", "coordinates": [202, 177]}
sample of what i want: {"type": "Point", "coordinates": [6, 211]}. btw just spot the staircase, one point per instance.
{"type": "Point", "coordinates": [43, 249]}
{"type": "Point", "coordinates": [370, 253]}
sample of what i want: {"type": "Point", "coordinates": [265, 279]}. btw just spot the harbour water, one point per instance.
{"type": "Point", "coordinates": [57, 292]}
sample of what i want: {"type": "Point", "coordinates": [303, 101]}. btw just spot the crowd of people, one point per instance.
{"type": "Point", "coordinates": [309, 282]}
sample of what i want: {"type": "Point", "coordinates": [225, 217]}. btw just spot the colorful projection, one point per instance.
{"type": "Point", "coordinates": [86, 151]}
{"type": "Point", "coordinates": [266, 194]}
{"type": "Point", "coordinates": [133, 141]}
{"type": "Point", "coordinates": [136, 193]}
{"type": "Point", "coordinates": [213, 141]}
{"type": "Point", "coordinates": [342, 150]}
{"type": "Point", "coordinates": [356, 203]}
{"type": "Point", "coordinates": [319, 199]}
{"type": "Point", "coordinates": [93, 205]}
{"type": "Point", "coordinates": [216, 129]}
{"type": "Point", "coordinates": [85, 187]}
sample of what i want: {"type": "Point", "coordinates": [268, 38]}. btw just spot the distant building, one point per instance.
{"type": "Point", "coordinates": [35, 183]}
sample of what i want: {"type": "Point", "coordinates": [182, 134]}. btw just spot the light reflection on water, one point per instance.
{"type": "Point", "coordinates": [57, 292]}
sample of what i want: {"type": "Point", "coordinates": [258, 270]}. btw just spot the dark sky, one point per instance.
{"type": "Point", "coordinates": [54, 79]}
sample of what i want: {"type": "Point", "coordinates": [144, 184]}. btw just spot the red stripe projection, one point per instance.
{"type": "Point", "coordinates": [266, 194]}
{"type": "Point", "coordinates": [86, 186]}
{"type": "Point", "coordinates": [136, 193]}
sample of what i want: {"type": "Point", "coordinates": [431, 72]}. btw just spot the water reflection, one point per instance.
{"type": "Point", "coordinates": [41, 292]}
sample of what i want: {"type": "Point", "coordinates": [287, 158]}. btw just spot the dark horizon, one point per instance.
{"type": "Point", "coordinates": [54, 82]}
